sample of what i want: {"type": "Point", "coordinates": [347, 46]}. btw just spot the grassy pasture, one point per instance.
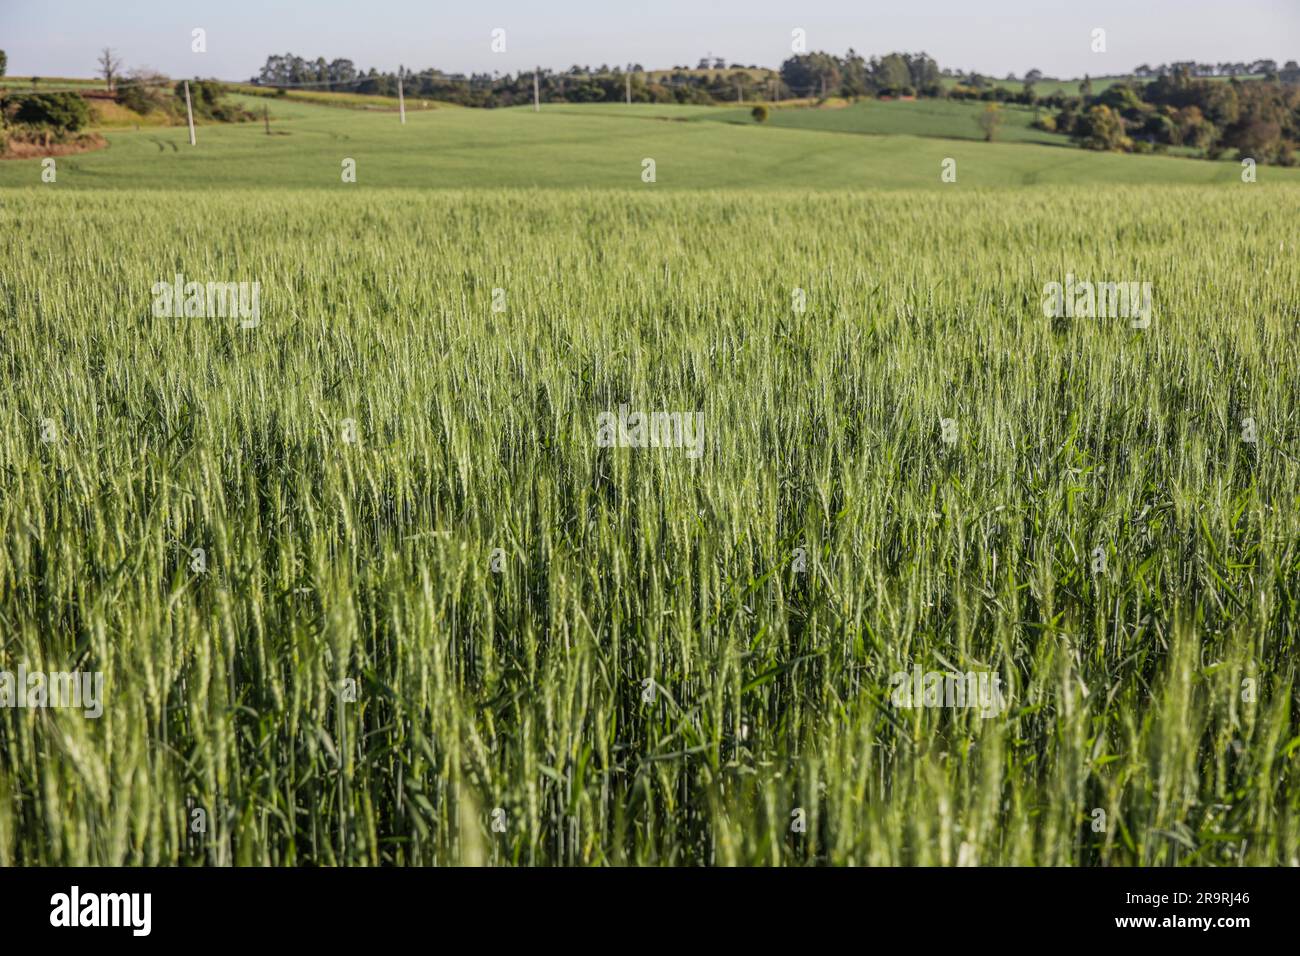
{"type": "Point", "coordinates": [51, 82]}
{"type": "Point", "coordinates": [947, 119]}
{"type": "Point", "coordinates": [572, 147]}
{"type": "Point", "coordinates": [343, 99]}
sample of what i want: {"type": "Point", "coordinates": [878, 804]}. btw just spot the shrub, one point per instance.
{"type": "Point", "coordinates": [759, 113]}
{"type": "Point", "coordinates": [208, 100]}
{"type": "Point", "coordinates": [60, 112]}
{"type": "Point", "coordinates": [989, 121]}
{"type": "Point", "coordinates": [145, 93]}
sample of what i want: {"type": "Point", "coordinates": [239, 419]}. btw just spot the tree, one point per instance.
{"type": "Point", "coordinates": [1223, 105]}
{"type": "Point", "coordinates": [1193, 128]}
{"type": "Point", "coordinates": [1101, 128]}
{"type": "Point", "coordinates": [341, 73]}
{"type": "Point", "coordinates": [1123, 99]}
{"type": "Point", "coordinates": [891, 72]}
{"type": "Point", "coordinates": [1162, 128]}
{"type": "Point", "coordinates": [1085, 88]}
{"type": "Point", "coordinates": [990, 120]}
{"type": "Point", "coordinates": [109, 67]}
{"type": "Point", "coordinates": [4, 62]}
{"type": "Point", "coordinates": [855, 80]}
{"type": "Point", "coordinates": [1258, 139]}
{"type": "Point", "coordinates": [810, 73]}
{"type": "Point", "coordinates": [922, 69]}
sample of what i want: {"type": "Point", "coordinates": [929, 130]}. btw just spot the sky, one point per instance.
{"type": "Point", "coordinates": [63, 37]}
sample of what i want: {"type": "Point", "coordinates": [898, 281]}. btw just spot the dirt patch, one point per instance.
{"type": "Point", "coordinates": [18, 149]}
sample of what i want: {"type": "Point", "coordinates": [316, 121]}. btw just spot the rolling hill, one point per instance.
{"type": "Point", "coordinates": [576, 147]}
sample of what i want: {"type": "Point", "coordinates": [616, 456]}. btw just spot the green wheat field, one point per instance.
{"type": "Point", "coordinates": [436, 622]}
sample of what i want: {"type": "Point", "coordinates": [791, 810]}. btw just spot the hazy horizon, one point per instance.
{"type": "Point", "coordinates": [994, 37]}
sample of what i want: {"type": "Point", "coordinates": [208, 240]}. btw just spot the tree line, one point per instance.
{"type": "Point", "coordinates": [1258, 119]}
{"type": "Point", "coordinates": [807, 75]}
{"type": "Point", "coordinates": [812, 75]}
{"type": "Point", "coordinates": [1266, 69]}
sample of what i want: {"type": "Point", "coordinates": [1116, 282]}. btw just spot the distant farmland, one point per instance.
{"type": "Point", "coordinates": [463, 148]}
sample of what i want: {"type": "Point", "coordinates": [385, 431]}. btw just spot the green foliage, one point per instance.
{"type": "Point", "coordinates": [1124, 100]}
{"type": "Point", "coordinates": [209, 101]}
{"type": "Point", "coordinates": [1101, 128]}
{"type": "Point", "coordinates": [579, 84]}
{"type": "Point", "coordinates": [1161, 128]}
{"type": "Point", "coordinates": [891, 73]}
{"type": "Point", "coordinates": [989, 121]}
{"type": "Point", "coordinates": [759, 113]}
{"type": "Point", "coordinates": [809, 74]}
{"type": "Point", "coordinates": [146, 93]}
{"type": "Point", "coordinates": [4, 62]}
{"type": "Point", "coordinates": [61, 113]}
{"type": "Point", "coordinates": [1257, 118]}
{"type": "Point", "coordinates": [1194, 129]}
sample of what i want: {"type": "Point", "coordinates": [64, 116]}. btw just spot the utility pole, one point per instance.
{"type": "Point", "coordinates": [266, 118]}
{"type": "Point", "coordinates": [629, 86]}
{"type": "Point", "coordinates": [189, 111]}
{"type": "Point", "coordinates": [537, 97]}
{"type": "Point", "coordinates": [401, 100]}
